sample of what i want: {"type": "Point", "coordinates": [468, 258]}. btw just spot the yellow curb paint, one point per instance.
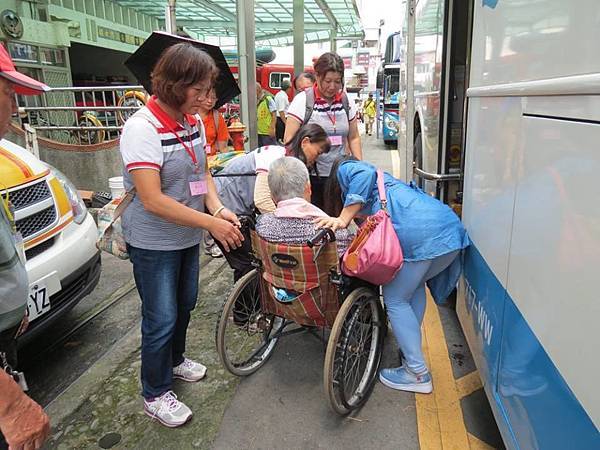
{"type": "Point", "coordinates": [446, 401]}
{"type": "Point", "coordinates": [478, 444]}
{"type": "Point", "coordinates": [428, 424]}
{"type": "Point", "coordinates": [468, 384]}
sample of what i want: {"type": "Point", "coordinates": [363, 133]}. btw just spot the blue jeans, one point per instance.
{"type": "Point", "coordinates": [167, 282]}
{"type": "Point", "coordinates": [405, 302]}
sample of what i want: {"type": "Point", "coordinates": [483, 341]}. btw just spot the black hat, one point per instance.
{"type": "Point", "coordinates": [142, 62]}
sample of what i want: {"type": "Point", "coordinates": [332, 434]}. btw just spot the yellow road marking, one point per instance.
{"type": "Point", "coordinates": [428, 424]}
{"type": "Point", "coordinates": [468, 384]}
{"type": "Point", "coordinates": [452, 432]}
{"type": "Point", "coordinates": [478, 444]}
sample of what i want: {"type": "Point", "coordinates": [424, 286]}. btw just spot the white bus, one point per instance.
{"type": "Point", "coordinates": [504, 122]}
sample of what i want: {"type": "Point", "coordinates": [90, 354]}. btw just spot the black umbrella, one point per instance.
{"type": "Point", "coordinates": [143, 60]}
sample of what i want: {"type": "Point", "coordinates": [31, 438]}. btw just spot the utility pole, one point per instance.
{"type": "Point", "coordinates": [298, 19]}
{"type": "Point", "coordinates": [247, 69]}
{"type": "Point", "coordinates": [170, 21]}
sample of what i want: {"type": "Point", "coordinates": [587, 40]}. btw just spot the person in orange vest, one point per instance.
{"type": "Point", "coordinates": [215, 127]}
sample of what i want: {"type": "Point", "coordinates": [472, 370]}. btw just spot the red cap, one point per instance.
{"type": "Point", "coordinates": [23, 84]}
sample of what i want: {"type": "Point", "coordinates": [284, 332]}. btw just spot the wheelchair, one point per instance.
{"type": "Point", "coordinates": [296, 288]}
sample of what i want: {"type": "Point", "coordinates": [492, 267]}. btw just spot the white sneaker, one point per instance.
{"type": "Point", "coordinates": [214, 251]}
{"type": "Point", "coordinates": [189, 370]}
{"type": "Point", "coordinates": [168, 410]}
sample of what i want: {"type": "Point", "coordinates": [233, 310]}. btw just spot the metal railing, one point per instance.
{"type": "Point", "coordinates": [81, 115]}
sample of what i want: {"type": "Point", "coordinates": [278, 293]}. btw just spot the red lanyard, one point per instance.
{"type": "Point", "coordinates": [332, 118]}
{"type": "Point", "coordinates": [190, 151]}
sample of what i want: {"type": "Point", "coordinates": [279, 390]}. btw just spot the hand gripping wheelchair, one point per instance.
{"type": "Point", "coordinates": [302, 285]}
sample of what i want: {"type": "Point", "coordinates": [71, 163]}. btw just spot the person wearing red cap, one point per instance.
{"type": "Point", "coordinates": [22, 421]}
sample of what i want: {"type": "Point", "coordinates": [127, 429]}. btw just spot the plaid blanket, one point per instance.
{"type": "Point", "coordinates": [291, 267]}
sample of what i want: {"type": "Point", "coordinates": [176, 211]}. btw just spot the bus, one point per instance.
{"type": "Point", "coordinates": [504, 126]}
{"type": "Point", "coordinates": [393, 69]}
{"type": "Point", "coordinates": [391, 103]}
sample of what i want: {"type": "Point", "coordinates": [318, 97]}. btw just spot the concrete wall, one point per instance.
{"type": "Point", "coordinates": [88, 170]}
{"type": "Point", "coordinates": [88, 167]}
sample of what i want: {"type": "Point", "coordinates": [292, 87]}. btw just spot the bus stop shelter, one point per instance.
{"type": "Point", "coordinates": [252, 22]}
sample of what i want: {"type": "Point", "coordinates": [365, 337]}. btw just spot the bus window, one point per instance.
{"type": "Point", "coordinates": [392, 88]}
{"type": "Point", "coordinates": [276, 78]}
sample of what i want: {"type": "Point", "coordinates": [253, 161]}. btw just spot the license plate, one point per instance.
{"type": "Point", "coordinates": [39, 300]}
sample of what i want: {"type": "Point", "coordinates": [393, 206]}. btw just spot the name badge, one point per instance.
{"type": "Point", "coordinates": [198, 185]}
{"type": "Point", "coordinates": [208, 149]}
{"type": "Point", "coordinates": [335, 140]}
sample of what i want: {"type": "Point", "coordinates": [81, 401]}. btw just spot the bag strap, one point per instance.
{"type": "Point", "coordinates": [381, 190]}
{"type": "Point", "coordinates": [310, 105]}
{"type": "Point", "coordinates": [125, 201]}
{"type": "Point", "coordinates": [120, 209]}
{"type": "Point", "coordinates": [346, 105]}
{"type": "Point", "coordinates": [123, 204]}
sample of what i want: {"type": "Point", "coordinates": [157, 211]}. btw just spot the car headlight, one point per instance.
{"type": "Point", "coordinates": [77, 205]}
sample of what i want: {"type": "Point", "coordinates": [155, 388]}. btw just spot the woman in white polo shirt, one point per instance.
{"type": "Point", "coordinates": [162, 147]}
{"type": "Point", "coordinates": [328, 106]}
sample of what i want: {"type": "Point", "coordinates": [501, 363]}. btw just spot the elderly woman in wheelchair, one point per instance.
{"type": "Point", "coordinates": [297, 285]}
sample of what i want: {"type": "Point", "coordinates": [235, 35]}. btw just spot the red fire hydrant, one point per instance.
{"type": "Point", "coordinates": [236, 131]}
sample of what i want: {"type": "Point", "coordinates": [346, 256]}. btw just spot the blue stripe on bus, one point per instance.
{"type": "Point", "coordinates": [532, 403]}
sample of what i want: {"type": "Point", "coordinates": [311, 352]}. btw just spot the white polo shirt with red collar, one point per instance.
{"type": "Point", "coordinates": [151, 139]}
{"type": "Point", "coordinates": [334, 121]}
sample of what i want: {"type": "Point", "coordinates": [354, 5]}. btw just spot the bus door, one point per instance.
{"type": "Point", "coordinates": [457, 35]}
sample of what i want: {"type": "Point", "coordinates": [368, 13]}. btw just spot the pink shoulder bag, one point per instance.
{"type": "Point", "coordinates": [375, 254]}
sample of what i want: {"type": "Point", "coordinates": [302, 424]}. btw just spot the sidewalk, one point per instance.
{"type": "Point", "coordinates": [106, 399]}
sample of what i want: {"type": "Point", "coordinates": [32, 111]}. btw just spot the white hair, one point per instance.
{"type": "Point", "coordinates": [287, 178]}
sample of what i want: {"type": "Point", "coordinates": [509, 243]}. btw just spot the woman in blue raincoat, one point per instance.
{"type": "Point", "coordinates": [431, 236]}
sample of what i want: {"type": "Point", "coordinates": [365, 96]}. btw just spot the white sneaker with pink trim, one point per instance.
{"type": "Point", "coordinates": [168, 410]}
{"type": "Point", "coordinates": [189, 370]}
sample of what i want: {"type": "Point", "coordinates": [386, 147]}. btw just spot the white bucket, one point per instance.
{"type": "Point", "coordinates": [117, 189]}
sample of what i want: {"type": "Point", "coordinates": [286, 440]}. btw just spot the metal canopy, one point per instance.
{"type": "Point", "coordinates": [323, 19]}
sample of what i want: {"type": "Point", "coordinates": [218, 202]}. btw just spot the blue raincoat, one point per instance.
{"type": "Point", "coordinates": [426, 227]}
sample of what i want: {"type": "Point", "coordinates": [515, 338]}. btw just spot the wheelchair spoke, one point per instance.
{"type": "Point", "coordinates": [357, 356]}
{"type": "Point", "coordinates": [244, 333]}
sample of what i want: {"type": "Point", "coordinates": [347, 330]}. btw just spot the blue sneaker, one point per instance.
{"type": "Point", "coordinates": [401, 379]}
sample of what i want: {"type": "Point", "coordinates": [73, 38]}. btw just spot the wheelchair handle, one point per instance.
{"type": "Point", "coordinates": [247, 221]}
{"type": "Point", "coordinates": [326, 234]}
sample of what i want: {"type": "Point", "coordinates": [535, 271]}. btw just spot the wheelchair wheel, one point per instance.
{"type": "Point", "coordinates": [354, 351]}
{"type": "Point", "coordinates": [245, 336]}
